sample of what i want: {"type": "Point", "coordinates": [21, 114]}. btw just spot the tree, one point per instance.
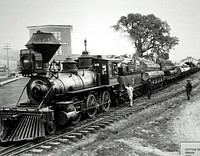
{"type": "Point", "coordinates": [148, 33]}
{"type": "Point", "coordinates": [164, 55]}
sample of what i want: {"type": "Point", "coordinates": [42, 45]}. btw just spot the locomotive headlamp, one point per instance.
{"type": "Point", "coordinates": [31, 62]}
{"type": "Point", "coordinates": [27, 62]}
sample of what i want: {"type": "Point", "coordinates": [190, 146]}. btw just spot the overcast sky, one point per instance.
{"type": "Point", "coordinates": [91, 19]}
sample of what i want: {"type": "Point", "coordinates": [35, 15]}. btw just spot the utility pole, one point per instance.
{"type": "Point", "coordinates": [7, 47]}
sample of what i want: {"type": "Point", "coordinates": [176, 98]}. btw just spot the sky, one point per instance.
{"type": "Point", "coordinates": [92, 19]}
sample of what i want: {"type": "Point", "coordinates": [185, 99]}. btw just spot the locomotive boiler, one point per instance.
{"type": "Point", "coordinates": [37, 87]}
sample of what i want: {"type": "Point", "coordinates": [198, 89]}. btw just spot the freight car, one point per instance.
{"type": "Point", "coordinates": [59, 95]}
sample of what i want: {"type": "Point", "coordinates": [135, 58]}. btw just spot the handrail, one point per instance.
{"type": "Point", "coordinates": [21, 95]}
{"type": "Point", "coordinates": [41, 103]}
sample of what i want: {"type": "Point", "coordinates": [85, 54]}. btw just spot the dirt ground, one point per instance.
{"type": "Point", "coordinates": [156, 131]}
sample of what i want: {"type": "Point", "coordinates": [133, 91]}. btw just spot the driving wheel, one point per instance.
{"type": "Point", "coordinates": [105, 101]}
{"type": "Point", "coordinates": [91, 105]}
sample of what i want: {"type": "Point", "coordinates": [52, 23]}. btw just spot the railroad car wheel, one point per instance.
{"type": "Point", "coordinates": [105, 101]}
{"type": "Point", "coordinates": [50, 127]}
{"type": "Point", "coordinates": [77, 120]}
{"type": "Point", "coordinates": [91, 105]}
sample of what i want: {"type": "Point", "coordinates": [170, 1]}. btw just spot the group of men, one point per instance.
{"type": "Point", "coordinates": [148, 88]}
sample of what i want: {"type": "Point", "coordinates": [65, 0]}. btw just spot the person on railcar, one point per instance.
{"type": "Point", "coordinates": [188, 88]}
{"type": "Point", "coordinates": [130, 90]}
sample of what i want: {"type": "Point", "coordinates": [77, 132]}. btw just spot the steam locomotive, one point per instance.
{"type": "Point", "coordinates": [59, 95]}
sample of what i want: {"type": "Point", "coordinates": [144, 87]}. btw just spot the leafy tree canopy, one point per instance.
{"type": "Point", "coordinates": [148, 33]}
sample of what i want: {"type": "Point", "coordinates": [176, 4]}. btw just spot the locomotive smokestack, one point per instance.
{"type": "Point", "coordinates": [44, 43]}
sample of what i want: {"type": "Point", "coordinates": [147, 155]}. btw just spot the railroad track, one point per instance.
{"type": "Point", "coordinates": [74, 133]}
{"type": "Point", "coordinates": [78, 132]}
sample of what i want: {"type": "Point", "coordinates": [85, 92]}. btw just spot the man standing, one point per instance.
{"type": "Point", "coordinates": [188, 88]}
{"type": "Point", "coordinates": [130, 93]}
{"type": "Point", "coordinates": [149, 88]}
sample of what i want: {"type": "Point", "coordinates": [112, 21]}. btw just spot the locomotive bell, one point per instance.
{"type": "Point", "coordinates": [44, 43]}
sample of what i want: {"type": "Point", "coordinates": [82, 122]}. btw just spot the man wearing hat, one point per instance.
{"type": "Point", "coordinates": [188, 89]}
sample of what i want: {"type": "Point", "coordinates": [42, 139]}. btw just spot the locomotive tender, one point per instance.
{"type": "Point", "coordinates": [57, 97]}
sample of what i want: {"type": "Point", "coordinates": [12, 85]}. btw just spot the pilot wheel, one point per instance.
{"type": "Point", "coordinates": [50, 127]}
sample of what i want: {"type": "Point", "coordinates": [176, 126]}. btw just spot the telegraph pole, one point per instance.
{"type": "Point", "coordinates": [7, 47]}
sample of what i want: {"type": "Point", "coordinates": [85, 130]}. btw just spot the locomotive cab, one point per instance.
{"type": "Point", "coordinates": [108, 70]}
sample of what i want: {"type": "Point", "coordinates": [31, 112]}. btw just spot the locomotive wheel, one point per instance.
{"type": "Point", "coordinates": [77, 120]}
{"type": "Point", "coordinates": [105, 101]}
{"type": "Point", "coordinates": [91, 105]}
{"type": "Point", "coordinates": [50, 127]}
